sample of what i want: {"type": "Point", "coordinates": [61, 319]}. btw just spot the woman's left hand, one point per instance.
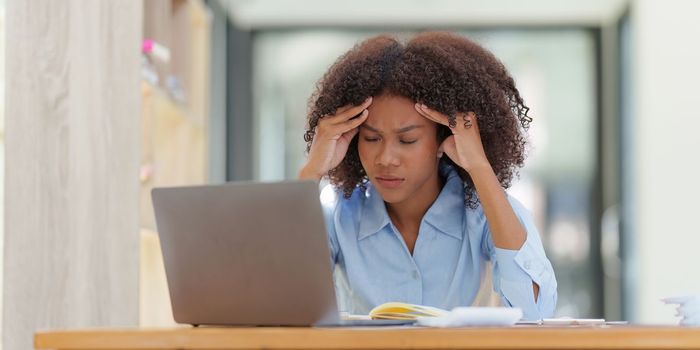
{"type": "Point", "coordinates": [464, 146]}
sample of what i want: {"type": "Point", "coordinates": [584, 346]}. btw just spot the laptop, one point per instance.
{"type": "Point", "coordinates": [248, 254]}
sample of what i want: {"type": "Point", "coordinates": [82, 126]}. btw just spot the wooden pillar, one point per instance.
{"type": "Point", "coordinates": [72, 161]}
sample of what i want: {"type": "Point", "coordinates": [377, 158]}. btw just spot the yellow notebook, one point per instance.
{"type": "Point", "coordinates": [404, 311]}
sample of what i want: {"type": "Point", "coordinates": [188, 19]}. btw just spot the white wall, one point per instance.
{"type": "Point", "coordinates": [666, 118]}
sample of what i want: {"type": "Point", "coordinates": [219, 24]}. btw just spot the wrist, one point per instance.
{"type": "Point", "coordinates": [484, 179]}
{"type": "Point", "coordinates": [307, 174]}
{"type": "Point", "coordinates": [480, 170]}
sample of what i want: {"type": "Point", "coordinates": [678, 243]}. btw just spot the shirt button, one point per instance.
{"type": "Point", "coordinates": [414, 274]}
{"type": "Point", "coordinates": [528, 265]}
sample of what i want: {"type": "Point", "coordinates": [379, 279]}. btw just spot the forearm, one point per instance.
{"type": "Point", "coordinates": [506, 230]}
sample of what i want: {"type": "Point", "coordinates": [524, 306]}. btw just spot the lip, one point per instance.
{"type": "Point", "coordinates": [388, 181]}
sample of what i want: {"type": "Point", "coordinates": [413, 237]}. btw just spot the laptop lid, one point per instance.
{"type": "Point", "coordinates": [246, 254]}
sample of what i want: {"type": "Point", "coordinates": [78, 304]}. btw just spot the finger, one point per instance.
{"type": "Point", "coordinates": [420, 111]}
{"type": "Point", "coordinates": [468, 121]}
{"type": "Point", "coordinates": [350, 134]}
{"type": "Point", "coordinates": [424, 114]}
{"type": "Point", "coordinates": [347, 106]}
{"type": "Point", "coordinates": [432, 115]}
{"type": "Point", "coordinates": [475, 122]}
{"type": "Point", "coordinates": [352, 123]}
{"type": "Point", "coordinates": [350, 111]}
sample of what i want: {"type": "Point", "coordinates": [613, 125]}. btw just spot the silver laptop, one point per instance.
{"type": "Point", "coordinates": [248, 254]}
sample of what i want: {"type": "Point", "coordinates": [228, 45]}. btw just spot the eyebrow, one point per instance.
{"type": "Point", "coordinates": [398, 131]}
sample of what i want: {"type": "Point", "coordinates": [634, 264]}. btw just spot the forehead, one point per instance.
{"type": "Point", "coordinates": [388, 112]}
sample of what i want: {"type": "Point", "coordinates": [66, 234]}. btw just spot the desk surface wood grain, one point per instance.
{"type": "Point", "coordinates": [614, 337]}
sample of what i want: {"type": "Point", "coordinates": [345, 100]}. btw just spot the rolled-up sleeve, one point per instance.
{"type": "Point", "coordinates": [514, 271]}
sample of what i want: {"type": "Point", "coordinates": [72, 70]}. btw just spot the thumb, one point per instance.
{"type": "Point", "coordinates": [448, 147]}
{"type": "Point", "coordinates": [348, 135]}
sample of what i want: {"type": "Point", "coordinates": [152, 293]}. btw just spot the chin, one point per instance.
{"type": "Point", "coordinates": [391, 196]}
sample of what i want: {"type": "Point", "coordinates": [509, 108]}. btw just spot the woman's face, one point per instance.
{"type": "Point", "coordinates": [398, 149]}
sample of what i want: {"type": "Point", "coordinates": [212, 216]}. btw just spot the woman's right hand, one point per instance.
{"type": "Point", "coordinates": [332, 139]}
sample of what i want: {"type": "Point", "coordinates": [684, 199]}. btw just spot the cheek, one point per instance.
{"type": "Point", "coordinates": [423, 158]}
{"type": "Point", "coordinates": [364, 152]}
{"type": "Point", "coordinates": [426, 151]}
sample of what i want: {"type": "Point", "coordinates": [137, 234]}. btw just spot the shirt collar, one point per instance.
{"type": "Point", "coordinates": [374, 215]}
{"type": "Point", "coordinates": [446, 214]}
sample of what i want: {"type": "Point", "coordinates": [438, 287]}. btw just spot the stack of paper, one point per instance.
{"type": "Point", "coordinates": [404, 311]}
{"type": "Point", "coordinates": [474, 316]}
{"type": "Point", "coordinates": [459, 317]}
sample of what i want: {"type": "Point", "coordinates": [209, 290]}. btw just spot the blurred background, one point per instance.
{"type": "Point", "coordinates": [611, 85]}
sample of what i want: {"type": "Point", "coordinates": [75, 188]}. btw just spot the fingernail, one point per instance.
{"type": "Point", "coordinates": [439, 155]}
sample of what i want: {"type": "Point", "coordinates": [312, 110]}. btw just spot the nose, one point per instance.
{"type": "Point", "coordinates": [387, 156]}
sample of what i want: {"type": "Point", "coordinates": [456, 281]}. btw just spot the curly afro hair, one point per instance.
{"type": "Point", "coordinates": [448, 73]}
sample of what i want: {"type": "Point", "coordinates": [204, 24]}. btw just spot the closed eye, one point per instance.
{"type": "Point", "coordinates": [408, 142]}
{"type": "Point", "coordinates": [371, 139]}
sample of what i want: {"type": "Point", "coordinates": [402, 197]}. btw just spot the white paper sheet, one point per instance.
{"type": "Point", "coordinates": [474, 317]}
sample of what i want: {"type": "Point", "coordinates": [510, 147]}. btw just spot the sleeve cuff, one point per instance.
{"type": "Point", "coordinates": [508, 266]}
{"type": "Point", "coordinates": [517, 269]}
{"type": "Point", "coordinates": [520, 265]}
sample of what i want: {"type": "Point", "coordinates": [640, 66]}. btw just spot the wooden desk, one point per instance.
{"type": "Point", "coordinates": [619, 337]}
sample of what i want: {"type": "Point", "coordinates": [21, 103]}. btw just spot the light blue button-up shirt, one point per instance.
{"type": "Point", "coordinates": [373, 264]}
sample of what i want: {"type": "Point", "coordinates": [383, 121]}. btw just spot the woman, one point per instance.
{"type": "Point", "coordinates": [419, 141]}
